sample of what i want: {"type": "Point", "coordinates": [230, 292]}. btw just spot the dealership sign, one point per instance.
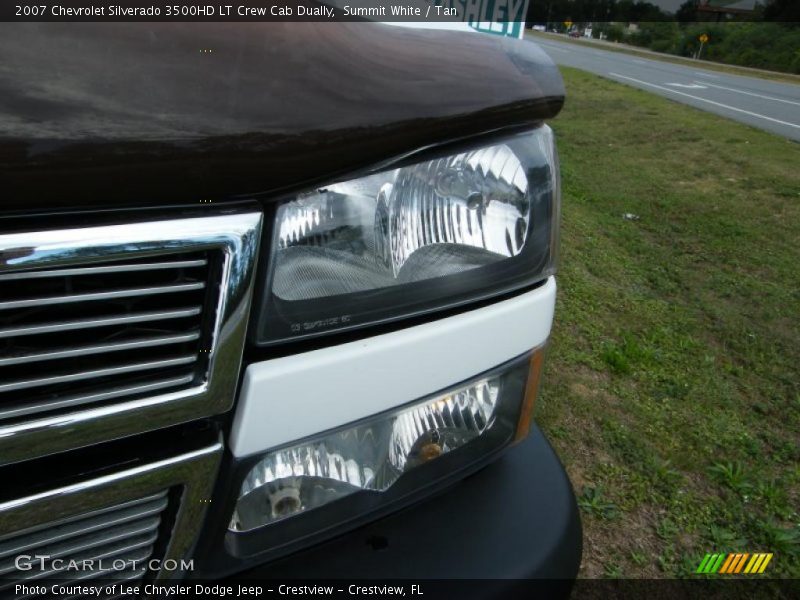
{"type": "Point", "coordinates": [501, 17]}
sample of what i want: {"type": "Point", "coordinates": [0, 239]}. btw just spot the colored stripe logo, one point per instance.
{"type": "Point", "coordinates": [734, 563]}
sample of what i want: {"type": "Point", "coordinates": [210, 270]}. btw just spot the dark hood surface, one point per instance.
{"type": "Point", "coordinates": [99, 115]}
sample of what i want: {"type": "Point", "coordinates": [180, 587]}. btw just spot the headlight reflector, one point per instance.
{"type": "Point", "coordinates": [413, 239]}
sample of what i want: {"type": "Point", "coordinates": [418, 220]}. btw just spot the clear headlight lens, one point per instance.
{"type": "Point", "coordinates": [374, 455]}
{"type": "Point", "coordinates": [406, 225]}
{"type": "Point", "coordinates": [413, 239]}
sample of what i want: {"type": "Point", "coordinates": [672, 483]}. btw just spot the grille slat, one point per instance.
{"type": "Point", "coordinates": [110, 394]}
{"type": "Point", "coordinates": [101, 322]}
{"type": "Point", "coordinates": [115, 294]}
{"type": "Point", "coordinates": [99, 270]}
{"type": "Point", "coordinates": [145, 529]}
{"type": "Point", "coordinates": [129, 368]}
{"type": "Point", "coordinates": [90, 333]}
{"type": "Point", "coordinates": [86, 523]}
{"type": "Point", "coordinates": [97, 542]}
{"type": "Point", "coordinates": [138, 549]}
{"type": "Point", "coordinates": [86, 350]}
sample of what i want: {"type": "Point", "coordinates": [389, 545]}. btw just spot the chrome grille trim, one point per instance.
{"type": "Point", "coordinates": [73, 423]}
{"type": "Point", "coordinates": [52, 533]}
{"type": "Point", "coordinates": [135, 536]}
{"type": "Point", "coordinates": [145, 366]}
{"type": "Point", "coordinates": [84, 350]}
{"type": "Point", "coordinates": [90, 323]}
{"type": "Point", "coordinates": [58, 530]}
{"type": "Point", "coordinates": [129, 293]}
{"type": "Point", "coordinates": [175, 264]}
{"type": "Point", "coordinates": [122, 501]}
{"type": "Point", "coordinates": [97, 397]}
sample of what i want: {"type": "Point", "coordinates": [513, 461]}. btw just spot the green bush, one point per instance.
{"type": "Point", "coordinates": [794, 64]}
{"type": "Point", "coordinates": [773, 46]}
{"type": "Point", "coordinates": [615, 33]}
{"type": "Point", "coordinates": [663, 46]}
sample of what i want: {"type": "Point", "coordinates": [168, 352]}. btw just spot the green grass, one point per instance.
{"type": "Point", "coordinates": [672, 386]}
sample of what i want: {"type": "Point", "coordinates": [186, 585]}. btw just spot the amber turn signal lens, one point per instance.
{"type": "Point", "coordinates": [531, 391]}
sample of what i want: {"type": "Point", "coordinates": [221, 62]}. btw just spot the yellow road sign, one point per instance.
{"type": "Point", "coordinates": [703, 38]}
{"type": "Point", "coordinates": [568, 24]}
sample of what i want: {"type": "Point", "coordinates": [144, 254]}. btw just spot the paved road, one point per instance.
{"type": "Point", "coordinates": [768, 105]}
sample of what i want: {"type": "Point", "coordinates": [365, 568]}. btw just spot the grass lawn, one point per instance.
{"type": "Point", "coordinates": [672, 385]}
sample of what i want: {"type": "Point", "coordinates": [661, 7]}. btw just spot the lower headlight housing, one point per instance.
{"type": "Point", "coordinates": [341, 475]}
{"type": "Point", "coordinates": [413, 239]}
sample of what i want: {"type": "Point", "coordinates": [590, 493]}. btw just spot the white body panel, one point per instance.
{"type": "Point", "coordinates": [289, 398]}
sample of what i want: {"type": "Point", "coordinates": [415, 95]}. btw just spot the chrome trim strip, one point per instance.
{"type": "Point", "coordinates": [73, 540]}
{"type": "Point", "coordinates": [194, 472]}
{"type": "Point", "coordinates": [89, 523]}
{"type": "Point", "coordinates": [129, 368]}
{"type": "Point", "coordinates": [143, 535]}
{"type": "Point", "coordinates": [235, 236]}
{"type": "Point", "coordinates": [148, 528]}
{"type": "Point", "coordinates": [128, 293]}
{"type": "Point", "coordinates": [22, 359]}
{"type": "Point", "coordinates": [139, 550]}
{"type": "Point", "coordinates": [121, 268]}
{"type": "Point", "coordinates": [29, 409]}
{"type": "Point", "coordinates": [104, 322]}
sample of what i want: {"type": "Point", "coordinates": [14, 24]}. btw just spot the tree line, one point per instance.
{"type": "Point", "coordinates": [766, 38]}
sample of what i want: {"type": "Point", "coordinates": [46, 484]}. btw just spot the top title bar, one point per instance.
{"type": "Point", "coordinates": [471, 12]}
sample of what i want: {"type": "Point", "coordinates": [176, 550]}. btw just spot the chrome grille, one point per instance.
{"type": "Point", "coordinates": [118, 329]}
{"type": "Point", "coordinates": [122, 534]}
{"type": "Point", "coordinates": [115, 329]}
{"type": "Point", "coordinates": [153, 509]}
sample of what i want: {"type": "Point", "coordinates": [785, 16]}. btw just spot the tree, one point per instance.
{"type": "Point", "coordinates": [687, 13]}
{"type": "Point", "coordinates": [783, 11]}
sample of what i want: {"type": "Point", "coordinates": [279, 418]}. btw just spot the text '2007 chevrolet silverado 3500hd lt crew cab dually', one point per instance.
{"type": "Point", "coordinates": [277, 309]}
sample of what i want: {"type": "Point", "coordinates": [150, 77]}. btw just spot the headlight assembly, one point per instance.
{"type": "Point", "coordinates": [343, 474]}
{"type": "Point", "coordinates": [413, 239]}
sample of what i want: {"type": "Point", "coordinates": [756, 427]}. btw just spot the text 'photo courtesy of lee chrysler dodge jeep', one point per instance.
{"type": "Point", "coordinates": [274, 301]}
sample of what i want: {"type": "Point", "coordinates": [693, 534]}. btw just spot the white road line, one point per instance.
{"type": "Point", "coordinates": [706, 75]}
{"type": "Point", "coordinates": [671, 91]}
{"type": "Point", "coordinates": [691, 86]}
{"type": "Point", "coordinates": [722, 87]}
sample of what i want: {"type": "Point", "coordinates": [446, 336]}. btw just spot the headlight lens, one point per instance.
{"type": "Point", "coordinates": [413, 239]}
{"type": "Point", "coordinates": [380, 453]}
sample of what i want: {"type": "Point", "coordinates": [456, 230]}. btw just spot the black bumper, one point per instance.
{"type": "Point", "coordinates": [516, 519]}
